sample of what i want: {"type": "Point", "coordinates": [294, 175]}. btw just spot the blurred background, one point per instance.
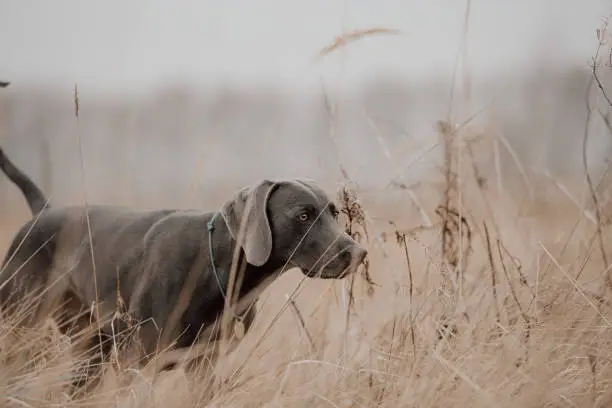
{"type": "Point", "coordinates": [182, 102]}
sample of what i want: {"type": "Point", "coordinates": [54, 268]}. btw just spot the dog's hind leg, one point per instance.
{"type": "Point", "coordinates": [27, 294]}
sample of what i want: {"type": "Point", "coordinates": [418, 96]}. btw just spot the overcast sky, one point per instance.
{"type": "Point", "coordinates": [114, 44]}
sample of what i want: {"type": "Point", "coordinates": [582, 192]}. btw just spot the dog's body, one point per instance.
{"type": "Point", "coordinates": [137, 247]}
{"type": "Point", "coordinates": [95, 255]}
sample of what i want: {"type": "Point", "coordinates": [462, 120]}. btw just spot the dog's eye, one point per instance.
{"type": "Point", "coordinates": [303, 216]}
{"type": "Point", "coordinates": [335, 212]}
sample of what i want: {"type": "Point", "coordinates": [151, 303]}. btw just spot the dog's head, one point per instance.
{"type": "Point", "coordinates": [292, 222]}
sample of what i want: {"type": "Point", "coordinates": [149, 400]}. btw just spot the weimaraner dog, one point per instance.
{"type": "Point", "coordinates": [171, 267]}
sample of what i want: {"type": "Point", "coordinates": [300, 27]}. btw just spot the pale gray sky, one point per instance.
{"type": "Point", "coordinates": [117, 43]}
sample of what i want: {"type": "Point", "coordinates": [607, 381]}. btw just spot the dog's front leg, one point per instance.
{"type": "Point", "coordinates": [98, 348]}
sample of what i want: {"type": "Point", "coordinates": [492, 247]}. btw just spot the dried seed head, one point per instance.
{"type": "Point", "coordinates": [356, 221]}
{"type": "Point", "coordinates": [353, 209]}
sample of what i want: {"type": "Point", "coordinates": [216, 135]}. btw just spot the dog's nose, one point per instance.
{"type": "Point", "coordinates": [359, 254]}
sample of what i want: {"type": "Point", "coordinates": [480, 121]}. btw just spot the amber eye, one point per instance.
{"type": "Point", "coordinates": [304, 216]}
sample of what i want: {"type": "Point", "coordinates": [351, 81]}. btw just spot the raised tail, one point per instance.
{"type": "Point", "coordinates": [33, 195]}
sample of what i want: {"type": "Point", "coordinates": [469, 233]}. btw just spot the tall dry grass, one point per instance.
{"type": "Point", "coordinates": [479, 298]}
{"type": "Point", "coordinates": [474, 296]}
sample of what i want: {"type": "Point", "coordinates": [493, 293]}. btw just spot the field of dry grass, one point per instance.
{"type": "Point", "coordinates": [488, 290]}
{"type": "Point", "coordinates": [514, 311]}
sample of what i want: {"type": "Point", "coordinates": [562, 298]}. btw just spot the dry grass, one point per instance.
{"type": "Point", "coordinates": [513, 313]}
{"type": "Point", "coordinates": [473, 297]}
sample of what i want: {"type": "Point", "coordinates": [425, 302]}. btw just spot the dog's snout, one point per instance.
{"type": "Point", "coordinates": [359, 254]}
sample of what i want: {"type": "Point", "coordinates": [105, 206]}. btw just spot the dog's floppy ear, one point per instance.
{"type": "Point", "coordinates": [247, 221]}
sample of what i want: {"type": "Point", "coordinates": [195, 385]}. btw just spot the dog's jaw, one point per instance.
{"type": "Point", "coordinates": [326, 271]}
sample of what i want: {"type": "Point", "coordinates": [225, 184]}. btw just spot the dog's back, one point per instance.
{"type": "Point", "coordinates": [83, 249]}
{"type": "Point", "coordinates": [53, 250]}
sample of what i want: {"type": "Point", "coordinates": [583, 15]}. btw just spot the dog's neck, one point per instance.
{"type": "Point", "coordinates": [250, 281]}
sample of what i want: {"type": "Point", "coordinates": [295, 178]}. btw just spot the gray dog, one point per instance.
{"type": "Point", "coordinates": [172, 268]}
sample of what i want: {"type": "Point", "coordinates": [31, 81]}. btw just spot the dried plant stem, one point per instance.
{"type": "Point", "coordinates": [449, 250]}
{"type": "Point", "coordinates": [512, 289]}
{"type": "Point", "coordinates": [524, 316]}
{"type": "Point", "coordinates": [301, 322]}
{"type": "Point", "coordinates": [590, 183]}
{"type": "Point", "coordinates": [493, 272]}
{"type": "Point", "coordinates": [601, 33]}
{"type": "Point", "coordinates": [96, 307]}
{"type": "Point", "coordinates": [593, 367]}
{"type": "Point", "coordinates": [401, 240]}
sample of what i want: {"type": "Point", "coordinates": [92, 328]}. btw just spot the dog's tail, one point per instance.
{"type": "Point", "coordinates": [33, 195]}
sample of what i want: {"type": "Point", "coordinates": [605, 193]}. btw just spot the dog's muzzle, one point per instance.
{"type": "Point", "coordinates": [344, 263]}
{"type": "Point", "coordinates": [357, 256]}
